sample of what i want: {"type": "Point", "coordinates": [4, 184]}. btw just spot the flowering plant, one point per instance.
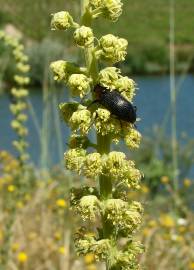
{"type": "Point", "coordinates": [118, 218]}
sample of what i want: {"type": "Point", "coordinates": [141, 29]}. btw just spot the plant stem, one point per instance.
{"type": "Point", "coordinates": [173, 97]}
{"type": "Point", "coordinates": [103, 142]}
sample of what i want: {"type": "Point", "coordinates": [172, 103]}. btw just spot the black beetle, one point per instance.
{"type": "Point", "coordinates": [115, 103]}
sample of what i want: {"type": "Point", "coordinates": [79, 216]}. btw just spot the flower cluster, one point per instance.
{"type": "Point", "coordinates": [112, 49]}
{"type": "Point", "coordinates": [114, 165]}
{"type": "Point", "coordinates": [19, 93]}
{"type": "Point", "coordinates": [115, 215]}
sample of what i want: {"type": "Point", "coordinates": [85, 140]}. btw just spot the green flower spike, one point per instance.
{"type": "Point", "coordinates": [104, 206]}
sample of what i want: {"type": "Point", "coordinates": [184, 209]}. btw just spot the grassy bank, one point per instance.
{"type": "Point", "coordinates": [144, 23]}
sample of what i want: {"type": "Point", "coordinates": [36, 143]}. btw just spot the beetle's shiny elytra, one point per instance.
{"type": "Point", "coordinates": [115, 103]}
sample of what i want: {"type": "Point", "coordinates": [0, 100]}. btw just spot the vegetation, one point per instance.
{"type": "Point", "coordinates": [37, 223]}
{"type": "Point", "coordinates": [145, 55]}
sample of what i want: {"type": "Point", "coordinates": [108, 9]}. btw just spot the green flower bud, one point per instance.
{"type": "Point", "coordinates": [19, 93]}
{"type": "Point", "coordinates": [132, 178]}
{"type": "Point", "coordinates": [17, 108]}
{"type": "Point", "coordinates": [108, 76]}
{"type": "Point", "coordinates": [112, 48]}
{"type": "Point", "coordinates": [101, 249]}
{"type": "Point", "coordinates": [19, 54]}
{"type": "Point", "coordinates": [81, 120]}
{"type": "Point", "coordinates": [124, 217]}
{"type": "Point", "coordinates": [62, 70]}
{"type": "Point", "coordinates": [61, 21]}
{"type": "Point", "coordinates": [115, 164]}
{"type": "Point", "coordinates": [95, 3]}
{"type": "Point", "coordinates": [126, 86]}
{"type": "Point", "coordinates": [78, 193]}
{"type": "Point", "coordinates": [84, 242]}
{"type": "Point", "coordinates": [88, 207]}
{"type": "Point", "coordinates": [22, 117]}
{"type": "Point", "coordinates": [112, 9]}
{"type": "Point", "coordinates": [74, 159]}
{"type": "Point", "coordinates": [105, 125]}
{"type": "Point", "coordinates": [113, 210]}
{"type": "Point", "coordinates": [19, 128]}
{"type": "Point", "coordinates": [79, 84]}
{"type": "Point", "coordinates": [21, 80]}
{"type": "Point", "coordinates": [20, 146]}
{"type": "Point", "coordinates": [83, 36]}
{"type": "Point", "coordinates": [133, 138]}
{"type": "Point", "coordinates": [119, 169]}
{"type": "Point", "coordinates": [23, 67]}
{"type": "Point", "coordinates": [92, 165]}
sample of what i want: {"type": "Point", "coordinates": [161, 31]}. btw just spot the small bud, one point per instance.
{"type": "Point", "coordinates": [112, 48]}
{"type": "Point", "coordinates": [88, 207]}
{"type": "Point", "coordinates": [133, 138]}
{"type": "Point", "coordinates": [21, 80]}
{"type": "Point", "coordinates": [115, 164]}
{"type": "Point", "coordinates": [74, 159]}
{"type": "Point", "coordinates": [124, 217]}
{"type": "Point", "coordinates": [81, 120]}
{"type": "Point", "coordinates": [126, 86]}
{"type": "Point", "coordinates": [92, 165]}
{"type": "Point", "coordinates": [112, 9]}
{"type": "Point", "coordinates": [108, 76]}
{"type": "Point", "coordinates": [95, 3]}
{"type": "Point", "coordinates": [83, 36]}
{"type": "Point", "coordinates": [79, 85]}
{"type": "Point", "coordinates": [19, 93]}
{"type": "Point", "coordinates": [62, 70]}
{"type": "Point", "coordinates": [105, 125]}
{"type": "Point", "coordinates": [61, 21]}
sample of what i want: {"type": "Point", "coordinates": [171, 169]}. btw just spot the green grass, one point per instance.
{"type": "Point", "coordinates": [147, 22]}
{"type": "Point", "coordinates": [144, 23]}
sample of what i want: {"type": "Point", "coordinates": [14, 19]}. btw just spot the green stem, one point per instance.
{"type": "Point", "coordinates": [103, 142]}
{"type": "Point", "coordinates": [173, 97]}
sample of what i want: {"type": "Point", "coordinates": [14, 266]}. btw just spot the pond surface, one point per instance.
{"type": "Point", "coordinates": [152, 101]}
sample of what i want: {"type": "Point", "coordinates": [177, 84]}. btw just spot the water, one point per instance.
{"type": "Point", "coordinates": [152, 101]}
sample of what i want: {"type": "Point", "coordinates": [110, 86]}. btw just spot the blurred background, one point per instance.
{"type": "Point", "coordinates": [33, 223]}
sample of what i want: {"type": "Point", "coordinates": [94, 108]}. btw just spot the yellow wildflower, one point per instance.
{"type": "Point", "coordinates": [164, 179]}
{"type": "Point", "coordinates": [146, 232]}
{"type": "Point", "coordinates": [15, 247]}
{"type": "Point", "coordinates": [32, 235]}
{"type": "Point", "coordinates": [22, 257]}
{"type": "Point", "coordinates": [152, 223]}
{"type": "Point", "coordinates": [187, 182]}
{"type": "Point", "coordinates": [11, 188]}
{"type": "Point", "coordinates": [191, 265]}
{"type": "Point", "coordinates": [62, 250]}
{"type": "Point", "coordinates": [91, 267]}
{"type": "Point", "coordinates": [89, 258]}
{"type": "Point", "coordinates": [57, 235]}
{"type": "Point", "coordinates": [145, 189]}
{"type": "Point", "coordinates": [167, 221]}
{"type": "Point", "coordinates": [61, 203]}
{"type": "Point", "coordinates": [19, 204]}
